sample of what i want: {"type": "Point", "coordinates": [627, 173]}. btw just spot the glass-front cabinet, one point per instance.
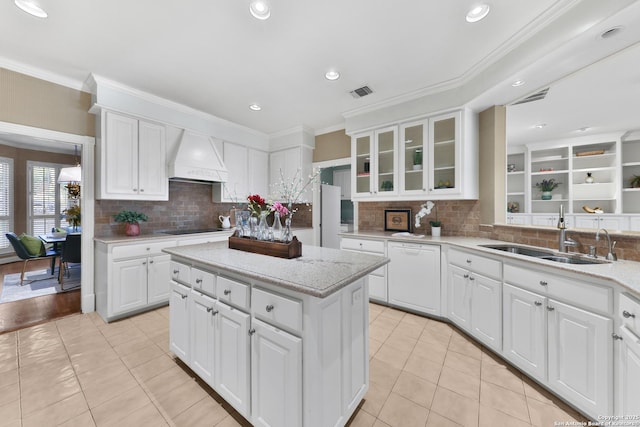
{"type": "Point", "coordinates": [362, 147]}
{"type": "Point", "coordinates": [385, 144]}
{"type": "Point", "coordinates": [444, 168]}
{"type": "Point", "coordinates": [414, 152]}
{"type": "Point", "coordinates": [374, 163]}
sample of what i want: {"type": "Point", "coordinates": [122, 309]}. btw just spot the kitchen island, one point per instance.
{"type": "Point", "coordinates": [284, 341]}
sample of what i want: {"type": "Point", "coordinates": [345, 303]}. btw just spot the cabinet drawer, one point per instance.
{"type": "Point", "coordinates": [278, 310]}
{"type": "Point", "coordinates": [585, 294]}
{"type": "Point", "coordinates": [232, 292]}
{"type": "Point", "coordinates": [375, 246]}
{"type": "Point", "coordinates": [478, 264]}
{"type": "Point", "coordinates": [180, 272]}
{"type": "Point", "coordinates": [203, 281]}
{"type": "Point", "coordinates": [141, 249]}
{"type": "Point", "coordinates": [630, 312]}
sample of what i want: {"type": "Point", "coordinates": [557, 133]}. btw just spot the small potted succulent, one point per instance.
{"type": "Point", "coordinates": [132, 221]}
{"type": "Point", "coordinates": [634, 182]}
{"type": "Point", "coordinates": [417, 159]}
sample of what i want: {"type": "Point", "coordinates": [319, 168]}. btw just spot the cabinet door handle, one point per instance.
{"type": "Point", "coordinates": [183, 296]}
{"type": "Point", "coordinates": [616, 336]}
{"type": "Point", "coordinates": [144, 262]}
{"type": "Point", "coordinates": [135, 189]}
{"type": "Point", "coordinates": [543, 283]}
{"type": "Point", "coordinates": [227, 291]}
{"type": "Point", "coordinates": [472, 278]}
{"type": "Point", "coordinates": [466, 276]}
{"type": "Point", "coordinates": [198, 280]}
{"type": "Point", "coordinates": [269, 308]}
{"type": "Point", "coordinates": [141, 190]}
{"type": "Point", "coordinates": [549, 308]}
{"type": "Point", "coordinates": [627, 315]}
{"type": "Point", "coordinates": [468, 261]}
{"type": "Point", "coordinates": [214, 312]}
{"type": "Point", "coordinates": [252, 331]}
{"type": "Point", "coordinates": [209, 309]}
{"type": "Point", "coordinates": [176, 271]}
{"type": "Point", "coordinates": [150, 261]}
{"type": "Point", "coordinates": [538, 303]}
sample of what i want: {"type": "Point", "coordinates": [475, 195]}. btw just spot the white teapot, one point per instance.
{"type": "Point", "coordinates": [225, 221]}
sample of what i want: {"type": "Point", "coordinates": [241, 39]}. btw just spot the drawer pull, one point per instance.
{"type": "Point", "coordinates": [176, 271]}
{"type": "Point", "coordinates": [538, 303]}
{"type": "Point", "coordinates": [627, 315]}
{"type": "Point", "coordinates": [252, 331]}
{"type": "Point", "coordinates": [209, 309]}
{"type": "Point", "coordinates": [227, 291]}
{"type": "Point", "coordinates": [214, 312]}
{"type": "Point", "coordinates": [269, 308]}
{"type": "Point", "coordinates": [468, 261]}
{"type": "Point", "coordinates": [616, 336]}
{"type": "Point", "coordinates": [466, 276]}
{"type": "Point", "coordinates": [543, 283]}
{"type": "Point", "coordinates": [198, 280]}
{"type": "Point", "coordinates": [472, 278]}
{"type": "Point", "coordinates": [183, 296]}
{"type": "Point", "coordinates": [550, 308]}
{"type": "Point", "coordinates": [151, 261]}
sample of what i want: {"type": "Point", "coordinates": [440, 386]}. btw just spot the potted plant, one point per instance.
{"type": "Point", "coordinates": [546, 186]}
{"type": "Point", "coordinates": [72, 215]}
{"type": "Point", "coordinates": [386, 186]}
{"type": "Point", "coordinates": [132, 221]}
{"type": "Point", "coordinates": [435, 224]}
{"type": "Point", "coordinates": [635, 181]}
{"type": "Point", "coordinates": [417, 159]}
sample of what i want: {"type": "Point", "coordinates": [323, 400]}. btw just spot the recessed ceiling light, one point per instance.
{"type": "Point", "coordinates": [478, 12]}
{"type": "Point", "coordinates": [255, 107]}
{"type": "Point", "coordinates": [517, 83]}
{"type": "Point", "coordinates": [260, 9]}
{"type": "Point", "coordinates": [332, 75]}
{"type": "Point", "coordinates": [540, 125]}
{"type": "Point", "coordinates": [31, 7]}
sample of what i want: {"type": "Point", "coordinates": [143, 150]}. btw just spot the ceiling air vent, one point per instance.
{"type": "Point", "coordinates": [361, 91]}
{"type": "Point", "coordinates": [533, 97]}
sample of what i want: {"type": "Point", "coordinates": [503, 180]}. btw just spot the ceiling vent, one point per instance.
{"type": "Point", "coordinates": [361, 91]}
{"type": "Point", "coordinates": [533, 97]}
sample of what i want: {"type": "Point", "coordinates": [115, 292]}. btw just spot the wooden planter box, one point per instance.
{"type": "Point", "coordinates": [293, 249]}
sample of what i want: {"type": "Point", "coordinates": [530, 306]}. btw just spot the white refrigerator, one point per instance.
{"type": "Point", "coordinates": [329, 216]}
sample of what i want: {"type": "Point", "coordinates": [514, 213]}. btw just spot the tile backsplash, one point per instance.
{"type": "Point", "coordinates": [190, 206]}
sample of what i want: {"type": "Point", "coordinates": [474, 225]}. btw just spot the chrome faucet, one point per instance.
{"type": "Point", "coordinates": [611, 255]}
{"type": "Point", "coordinates": [563, 241]}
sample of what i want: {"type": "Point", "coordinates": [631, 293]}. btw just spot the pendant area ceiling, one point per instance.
{"type": "Point", "coordinates": [215, 57]}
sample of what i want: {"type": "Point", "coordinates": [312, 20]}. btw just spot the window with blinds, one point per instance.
{"type": "Point", "coordinates": [6, 202]}
{"type": "Point", "coordinates": [47, 199]}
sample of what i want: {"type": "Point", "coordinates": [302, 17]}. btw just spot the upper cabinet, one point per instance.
{"type": "Point", "coordinates": [248, 174]}
{"type": "Point", "coordinates": [631, 177]}
{"type": "Point", "coordinates": [435, 158]}
{"type": "Point", "coordinates": [132, 159]}
{"type": "Point", "coordinates": [290, 164]}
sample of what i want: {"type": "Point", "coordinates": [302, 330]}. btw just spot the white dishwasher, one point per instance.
{"type": "Point", "coordinates": [414, 277]}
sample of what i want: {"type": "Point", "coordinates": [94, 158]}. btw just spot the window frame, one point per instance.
{"type": "Point", "coordinates": [61, 201]}
{"type": "Point", "coordinates": [8, 181]}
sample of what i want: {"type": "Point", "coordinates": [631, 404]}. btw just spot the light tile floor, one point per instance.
{"type": "Point", "coordinates": [80, 371]}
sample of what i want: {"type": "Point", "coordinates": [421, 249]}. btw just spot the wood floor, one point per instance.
{"type": "Point", "coordinates": [21, 314]}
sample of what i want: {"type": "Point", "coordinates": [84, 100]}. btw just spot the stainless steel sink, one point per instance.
{"type": "Point", "coordinates": [521, 250]}
{"type": "Point", "coordinates": [546, 255]}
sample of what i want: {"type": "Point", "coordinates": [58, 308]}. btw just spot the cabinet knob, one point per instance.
{"type": "Point", "coordinates": [151, 261]}
{"type": "Point", "coordinates": [549, 308]}
{"type": "Point", "coordinates": [627, 315]}
{"type": "Point", "coordinates": [198, 280]}
{"type": "Point", "coordinates": [269, 308]}
{"type": "Point", "coordinates": [466, 276]}
{"type": "Point", "coordinates": [543, 283]}
{"type": "Point", "coordinates": [227, 291]}
{"type": "Point", "coordinates": [472, 278]}
{"type": "Point", "coordinates": [176, 271]}
{"type": "Point", "coordinates": [135, 189]}
{"type": "Point", "coordinates": [183, 296]}
{"type": "Point", "coordinates": [538, 303]}
{"type": "Point", "coordinates": [616, 336]}
{"type": "Point", "coordinates": [252, 331]}
{"type": "Point", "coordinates": [144, 262]}
{"type": "Point", "coordinates": [468, 261]}
{"type": "Point", "coordinates": [141, 190]}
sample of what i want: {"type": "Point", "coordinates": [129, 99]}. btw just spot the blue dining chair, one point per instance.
{"type": "Point", "coordinates": [24, 255]}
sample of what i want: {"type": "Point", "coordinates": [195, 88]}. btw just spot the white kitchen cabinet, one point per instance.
{"type": "Point", "coordinates": [414, 158]}
{"type": "Point", "coordinates": [576, 338]}
{"type": "Point", "coordinates": [132, 159]}
{"type": "Point", "coordinates": [475, 296]}
{"type": "Point", "coordinates": [374, 163]}
{"type": "Point", "coordinates": [580, 356]}
{"type": "Point", "coordinates": [179, 325]}
{"type": "Point", "coordinates": [232, 361]}
{"type": "Point", "coordinates": [288, 165]}
{"type": "Point", "coordinates": [276, 377]}
{"type": "Point", "coordinates": [157, 284]}
{"type": "Point", "coordinates": [518, 219]}
{"type": "Point", "coordinates": [378, 278]}
{"type": "Point", "coordinates": [414, 277]}
{"type": "Point", "coordinates": [203, 334]}
{"type": "Point", "coordinates": [547, 220]}
{"type": "Point", "coordinates": [342, 179]}
{"type": "Point", "coordinates": [628, 372]}
{"type": "Point", "coordinates": [610, 222]}
{"type": "Point", "coordinates": [525, 330]}
{"type": "Point", "coordinates": [248, 174]}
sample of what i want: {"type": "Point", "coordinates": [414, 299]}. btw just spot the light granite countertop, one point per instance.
{"type": "Point", "coordinates": [158, 236]}
{"type": "Point", "coordinates": [622, 272]}
{"type": "Point", "coordinates": [319, 272]}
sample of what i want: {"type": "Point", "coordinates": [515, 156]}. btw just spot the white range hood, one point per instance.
{"type": "Point", "coordinates": [196, 159]}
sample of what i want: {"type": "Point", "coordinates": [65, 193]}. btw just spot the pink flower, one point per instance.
{"type": "Point", "coordinates": [278, 207]}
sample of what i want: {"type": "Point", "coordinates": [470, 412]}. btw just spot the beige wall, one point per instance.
{"type": "Point", "coordinates": [20, 158]}
{"type": "Point", "coordinates": [492, 151]}
{"type": "Point", "coordinates": [332, 146]}
{"type": "Point", "coordinates": [33, 102]}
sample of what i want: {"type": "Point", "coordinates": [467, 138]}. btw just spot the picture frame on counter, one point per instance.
{"type": "Point", "coordinates": [397, 220]}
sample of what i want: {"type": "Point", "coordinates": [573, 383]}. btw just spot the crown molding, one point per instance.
{"type": "Point", "coordinates": [41, 74]}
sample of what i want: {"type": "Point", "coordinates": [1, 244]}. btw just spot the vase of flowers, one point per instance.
{"type": "Point", "coordinates": [436, 225]}
{"type": "Point", "coordinates": [290, 193]}
{"type": "Point", "coordinates": [132, 221]}
{"type": "Point", "coordinates": [279, 210]}
{"type": "Point", "coordinates": [72, 215]}
{"type": "Point", "coordinates": [546, 186]}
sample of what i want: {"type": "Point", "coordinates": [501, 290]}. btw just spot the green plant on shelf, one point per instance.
{"type": "Point", "coordinates": [547, 184]}
{"type": "Point", "coordinates": [386, 186]}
